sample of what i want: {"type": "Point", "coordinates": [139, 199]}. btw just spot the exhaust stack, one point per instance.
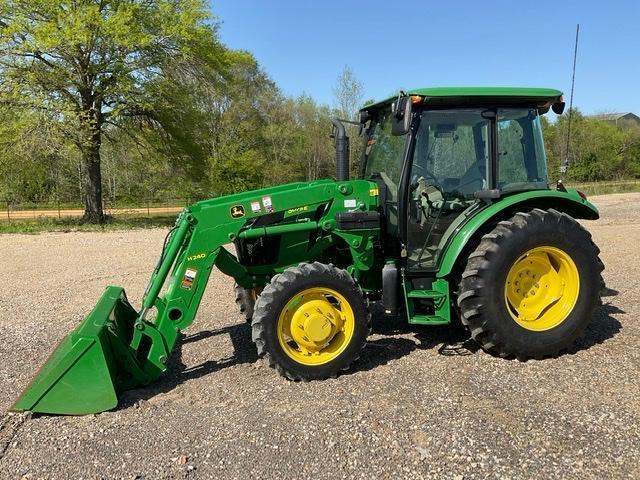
{"type": "Point", "coordinates": [342, 150]}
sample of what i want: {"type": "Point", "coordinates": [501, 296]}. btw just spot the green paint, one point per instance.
{"type": "Point", "coordinates": [438, 294]}
{"type": "Point", "coordinates": [493, 94]}
{"type": "Point", "coordinates": [487, 92]}
{"type": "Point", "coordinates": [569, 202]}
{"type": "Point", "coordinates": [91, 365]}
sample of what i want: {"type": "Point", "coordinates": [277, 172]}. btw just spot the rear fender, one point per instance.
{"type": "Point", "coordinates": [569, 202]}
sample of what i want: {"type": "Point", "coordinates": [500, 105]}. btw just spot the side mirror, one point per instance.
{"type": "Point", "coordinates": [401, 115]}
{"type": "Point", "coordinates": [558, 108]}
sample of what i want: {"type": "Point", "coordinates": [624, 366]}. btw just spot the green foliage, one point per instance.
{"type": "Point", "coordinates": [95, 66]}
{"type": "Point", "coordinates": [121, 100]}
{"type": "Point", "coordinates": [599, 150]}
{"type": "Point", "coordinates": [145, 90]}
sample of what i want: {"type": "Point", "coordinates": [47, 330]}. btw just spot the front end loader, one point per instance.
{"type": "Point", "coordinates": [452, 216]}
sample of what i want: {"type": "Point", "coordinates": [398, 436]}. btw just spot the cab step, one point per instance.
{"type": "Point", "coordinates": [438, 295]}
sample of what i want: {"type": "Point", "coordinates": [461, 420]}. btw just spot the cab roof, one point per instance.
{"type": "Point", "coordinates": [540, 97]}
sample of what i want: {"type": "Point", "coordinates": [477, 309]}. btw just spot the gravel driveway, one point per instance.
{"type": "Point", "coordinates": [422, 402]}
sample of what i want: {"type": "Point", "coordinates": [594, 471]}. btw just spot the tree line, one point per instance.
{"type": "Point", "coordinates": [136, 99]}
{"type": "Point", "coordinates": [130, 99]}
{"type": "Point", "coordinates": [598, 150]}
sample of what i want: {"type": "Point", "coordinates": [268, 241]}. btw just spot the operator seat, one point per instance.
{"type": "Point", "coordinates": [474, 179]}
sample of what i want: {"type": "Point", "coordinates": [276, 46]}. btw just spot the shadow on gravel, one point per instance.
{"type": "Point", "coordinates": [450, 341]}
{"type": "Point", "coordinates": [177, 372]}
{"type": "Point", "coordinates": [603, 327]}
{"type": "Point", "coordinates": [454, 340]}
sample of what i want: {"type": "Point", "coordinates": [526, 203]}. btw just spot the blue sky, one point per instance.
{"type": "Point", "coordinates": [304, 45]}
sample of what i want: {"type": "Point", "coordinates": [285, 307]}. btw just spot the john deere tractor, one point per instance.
{"type": "Point", "coordinates": [452, 217]}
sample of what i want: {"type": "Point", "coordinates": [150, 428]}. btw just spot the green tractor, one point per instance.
{"type": "Point", "coordinates": [452, 218]}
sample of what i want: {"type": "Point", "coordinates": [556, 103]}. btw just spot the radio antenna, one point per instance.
{"type": "Point", "coordinates": [565, 164]}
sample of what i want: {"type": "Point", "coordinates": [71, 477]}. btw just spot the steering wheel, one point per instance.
{"type": "Point", "coordinates": [424, 173]}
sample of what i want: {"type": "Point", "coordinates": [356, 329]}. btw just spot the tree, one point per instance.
{"type": "Point", "coordinates": [598, 149]}
{"type": "Point", "coordinates": [348, 94]}
{"type": "Point", "coordinates": [98, 64]}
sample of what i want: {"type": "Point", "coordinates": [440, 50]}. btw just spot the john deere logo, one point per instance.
{"type": "Point", "coordinates": [237, 211]}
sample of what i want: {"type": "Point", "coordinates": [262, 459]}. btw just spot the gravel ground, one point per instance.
{"type": "Point", "coordinates": [420, 403]}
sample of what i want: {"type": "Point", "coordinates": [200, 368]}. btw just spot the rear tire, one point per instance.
{"type": "Point", "coordinates": [311, 322]}
{"type": "Point", "coordinates": [497, 294]}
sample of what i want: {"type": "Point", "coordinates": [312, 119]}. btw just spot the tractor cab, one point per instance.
{"type": "Point", "coordinates": [439, 154]}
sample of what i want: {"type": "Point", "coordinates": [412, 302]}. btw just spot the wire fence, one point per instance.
{"type": "Point", "coordinates": [605, 188]}
{"type": "Point", "coordinates": [13, 210]}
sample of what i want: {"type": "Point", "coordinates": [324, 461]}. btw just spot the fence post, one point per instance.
{"type": "Point", "coordinates": [148, 213]}
{"type": "Point", "coordinates": [8, 215]}
{"type": "Point", "coordinates": [58, 203]}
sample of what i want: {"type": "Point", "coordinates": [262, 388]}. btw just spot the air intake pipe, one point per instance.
{"type": "Point", "coordinates": [342, 150]}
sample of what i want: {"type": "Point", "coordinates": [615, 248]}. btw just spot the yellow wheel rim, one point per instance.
{"type": "Point", "coordinates": [542, 288]}
{"type": "Point", "coordinates": [316, 326]}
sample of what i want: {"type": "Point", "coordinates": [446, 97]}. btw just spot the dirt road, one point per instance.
{"type": "Point", "coordinates": [65, 213]}
{"type": "Point", "coordinates": [421, 402]}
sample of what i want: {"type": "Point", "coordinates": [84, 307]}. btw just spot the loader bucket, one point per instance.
{"type": "Point", "coordinates": [91, 365]}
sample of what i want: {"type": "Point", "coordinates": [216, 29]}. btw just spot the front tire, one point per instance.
{"type": "Point", "coordinates": [311, 322]}
{"type": "Point", "coordinates": [531, 286]}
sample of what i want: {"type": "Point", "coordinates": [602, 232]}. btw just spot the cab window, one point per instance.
{"type": "Point", "coordinates": [521, 159]}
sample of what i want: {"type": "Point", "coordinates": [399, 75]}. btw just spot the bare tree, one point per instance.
{"type": "Point", "coordinates": [348, 93]}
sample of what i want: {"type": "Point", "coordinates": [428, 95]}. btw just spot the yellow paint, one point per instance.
{"type": "Point", "coordinates": [298, 209]}
{"type": "Point", "coordinates": [196, 256]}
{"type": "Point", "coordinates": [373, 192]}
{"type": "Point", "coordinates": [237, 211]}
{"type": "Point", "coordinates": [316, 326]}
{"type": "Point", "coordinates": [542, 288]}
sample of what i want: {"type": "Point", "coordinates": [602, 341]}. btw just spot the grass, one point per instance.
{"type": "Point", "coordinates": [127, 222]}
{"type": "Point", "coordinates": [605, 188]}
{"type": "Point", "coordinates": [120, 222]}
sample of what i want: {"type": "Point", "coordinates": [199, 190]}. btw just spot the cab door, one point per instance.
{"type": "Point", "coordinates": [449, 164]}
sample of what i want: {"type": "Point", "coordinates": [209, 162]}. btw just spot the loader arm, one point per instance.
{"type": "Point", "coordinates": [197, 244]}
{"type": "Point", "coordinates": [118, 347]}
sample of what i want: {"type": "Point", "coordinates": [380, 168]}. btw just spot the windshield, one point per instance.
{"type": "Point", "coordinates": [384, 153]}
{"type": "Point", "coordinates": [452, 151]}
